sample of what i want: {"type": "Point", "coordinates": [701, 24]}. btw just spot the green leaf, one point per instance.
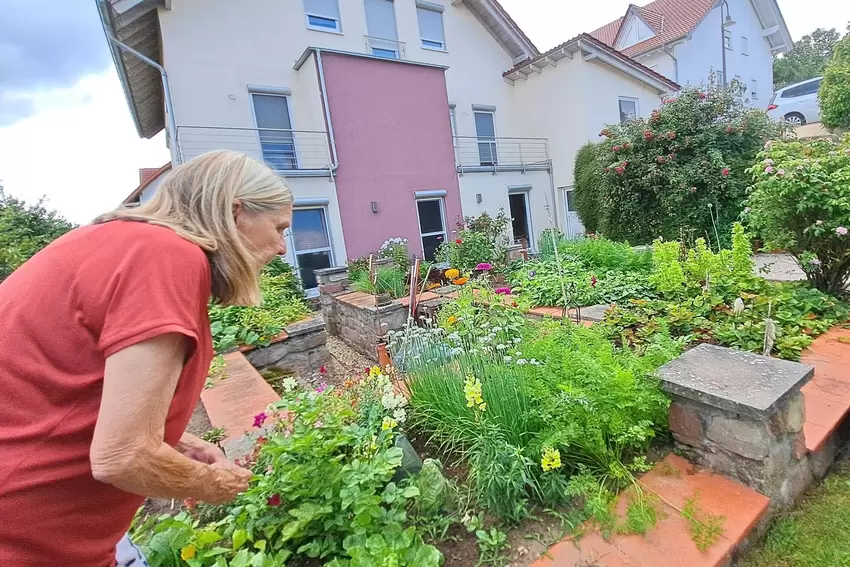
{"type": "Point", "coordinates": [260, 544]}
{"type": "Point", "coordinates": [240, 536]}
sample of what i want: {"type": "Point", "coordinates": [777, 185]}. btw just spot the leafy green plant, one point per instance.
{"type": "Point", "coordinates": [283, 303]}
{"type": "Point", "coordinates": [215, 435]}
{"type": "Point", "coordinates": [470, 249]}
{"type": "Point", "coordinates": [492, 545]}
{"type": "Point", "coordinates": [392, 281]}
{"type": "Point", "coordinates": [834, 95]}
{"type": "Point", "coordinates": [800, 202]}
{"type": "Point", "coordinates": [663, 172]}
{"type": "Point", "coordinates": [705, 528]}
{"type": "Point", "coordinates": [587, 174]}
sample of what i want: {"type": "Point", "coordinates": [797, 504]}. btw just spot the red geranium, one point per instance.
{"type": "Point", "coordinates": [274, 500]}
{"type": "Point", "coordinates": [458, 241]}
{"type": "Point", "coordinates": [725, 172]}
{"type": "Point", "coordinates": [648, 135]}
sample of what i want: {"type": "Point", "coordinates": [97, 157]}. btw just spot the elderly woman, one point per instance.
{"type": "Point", "coordinates": [104, 348]}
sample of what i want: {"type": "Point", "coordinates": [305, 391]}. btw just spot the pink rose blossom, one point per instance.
{"type": "Point", "coordinates": [725, 172]}
{"type": "Point", "coordinates": [768, 169]}
{"type": "Point", "coordinates": [780, 172]}
{"type": "Point", "coordinates": [841, 231]}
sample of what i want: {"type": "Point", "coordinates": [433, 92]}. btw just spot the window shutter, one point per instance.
{"type": "Point", "coordinates": [430, 25]}
{"type": "Point", "coordinates": [323, 8]}
{"type": "Point", "coordinates": [380, 19]}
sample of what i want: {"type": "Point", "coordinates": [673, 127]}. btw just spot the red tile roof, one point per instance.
{"type": "Point", "coordinates": [607, 48]}
{"type": "Point", "coordinates": [670, 19]}
{"type": "Point", "coordinates": [147, 176]}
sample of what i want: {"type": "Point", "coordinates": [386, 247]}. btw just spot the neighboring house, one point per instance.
{"type": "Point", "coordinates": [686, 40]}
{"type": "Point", "coordinates": [387, 118]}
{"type": "Point", "coordinates": [149, 180]}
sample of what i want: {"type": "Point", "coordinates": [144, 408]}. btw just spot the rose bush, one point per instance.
{"type": "Point", "coordinates": [681, 171]}
{"type": "Point", "coordinates": [800, 202]}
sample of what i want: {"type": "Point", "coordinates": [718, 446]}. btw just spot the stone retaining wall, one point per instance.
{"type": "Point", "coordinates": [301, 349]}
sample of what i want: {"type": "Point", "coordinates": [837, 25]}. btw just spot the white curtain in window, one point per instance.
{"type": "Point", "coordinates": [430, 25]}
{"type": "Point", "coordinates": [324, 8]}
{"type": "Point", "coordinates": [380, 19]}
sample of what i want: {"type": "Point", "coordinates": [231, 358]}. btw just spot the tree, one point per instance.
{"type": "Point", "coordinates": [806, 59]}
{"type": "Point", "coordinates": [680, 172]}
{"type": "Point", "coordinates": [24, 230]}
{"type": "Point", "coordinates": [587, 186]}
{"type": "Point", "coordinates": [834, 95]}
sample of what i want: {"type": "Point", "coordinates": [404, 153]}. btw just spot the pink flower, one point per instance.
{"type": "Point", "coordinates": [702, 96]}
{"type": "Point", "coordinates": [593, 281]}
{"type": "Point", "coordinates": [503, 291]}
{"type": "Point", "coordinates": [768, 169]}
{"type": "Point", "coordinates": [321, 388]}
{"type": "Point", "coordinates": [660, 159]}
{"type": "Point", "coordinates": [619, 170]}
{"type": "Point", "coordinates": [260, 419]}
{"type": "Point", "coordinates": [274, 500]}
{"type": "Point", "coordinates": [484, 267]}
{"type": "Point", "coordinates": [616, 149]}
{"type": "Point", "coordinates": [648, 135]}
{"type": "Point", "coordinates": [725, 172]}
{"type": "Point", "coordinates": [780, 172]}
{"type": "Point", "coordinates": [318, 424]}
{"type": "Point", "coordinates": [841, 231]}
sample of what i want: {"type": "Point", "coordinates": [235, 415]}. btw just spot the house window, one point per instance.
{"type": "Point", "coordinates": [277, 139]}
{"type": "Point", "coordinates": [727, 39]}
{"type": "Point", "coordinates": [628, 109]}
{"type": "Point", "coordinates": [380, 23]}
{"type": "Point", "coordinates": [485, 129]}
{"type": "Point", "coordinates": [430, 18]}
{"type": "Point", "coordinates": [571, 206]}
{"type": "Point", "coordinates": [745, 46]}
{"type": "Point", "coordinates": [311, 243]}
{"type": "Point", "coordinates": [754, 95]}
{"type": "Point", "coordinates": [432, 225]}
{"type": "Point", "coordinates": [322, 15]}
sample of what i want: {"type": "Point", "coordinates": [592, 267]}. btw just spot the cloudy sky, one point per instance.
{"type": "Point", "coordinates": [65, 131]}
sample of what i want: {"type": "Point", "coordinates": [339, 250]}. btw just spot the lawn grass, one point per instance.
{"type": "Point", "coordinates": [816, 533]}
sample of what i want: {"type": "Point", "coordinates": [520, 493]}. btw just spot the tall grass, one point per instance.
{"type": "Point", "coordinates": [604, 254]}
{"type": "Point", "coordinates": [388, 280]}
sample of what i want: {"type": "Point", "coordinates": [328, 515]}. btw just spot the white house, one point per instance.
{"type": "Point", "coordinates": [687, 40]}
{"type": "Point", "coordinates": [387, 117]}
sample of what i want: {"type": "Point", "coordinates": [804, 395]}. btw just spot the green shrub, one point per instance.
{"type": "Point", "coordinates": [834, 95]}
{"type": "Point", "coordinates": [800, 202]}
{"type": "Point", "coordinates": [388, 280]}
{"type": "Point", "coordinates": [283, 303]}
{"type": "Point", "coordinates": [480, 240]}
{"type": "Point", "coordinates": [587, 181]}
{"type": "Point", "coordinates": [601, 254]}
{"type": "Point", "coordinates": [681, 172]}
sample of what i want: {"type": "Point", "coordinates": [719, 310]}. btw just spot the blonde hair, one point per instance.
{"type": "Point", "coordinates": [196, 201]}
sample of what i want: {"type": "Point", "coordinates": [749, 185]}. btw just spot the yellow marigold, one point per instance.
{"type": "Point", "coordinates": [375, 371]}
{"type": "Point", "coordinates": [451, 320]}
{"type": "Point", "coordinates": [551, 459]}
{"type": "Point", "coordinates": [187, 552]}
{"type": "Point", "coordinates": [460, 281]}
{"type": "Point", "coordinates": [452, 273]}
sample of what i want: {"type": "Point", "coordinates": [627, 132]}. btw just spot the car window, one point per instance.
{"type": "Point", "coordinates": [801, 90]}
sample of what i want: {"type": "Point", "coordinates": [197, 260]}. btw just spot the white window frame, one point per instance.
{"type": "Point", "coordinates": [385, 44]}
{"type": "Point", "coordinates": [745, 46]}
{"type": "Point", "coordinates": [444, 232]}
{"type": "Point", "coordinates": [754, 89]}
{"type": "Point", "coordinates": [439, 45]}
{"type": "Point", "coordinates": [310, 26]}
{"type": "Point", "coordinates": [529, 221]}
{"type": "Point", "coordinates": [494, 149]}
{"type": "Point", "coordinates": [622, 99]}
{"type": "Point", "coordinates": [291, 249]}
{"type": "Point", "coordinates": [264, 92]}
{"type": "Point", "coordinates": [727, 39]}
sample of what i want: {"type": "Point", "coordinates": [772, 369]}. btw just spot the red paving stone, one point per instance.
{"type": "Point", "coordinates": [669, 543]}
{"type": "Point", "coordinates": [233, 402]}
{"type": "Point", "coordinates": [427, 296]}
{"type": "Point", "coordinates": [827, 395]}
{"type": "Point", "coordinates": [358, 299]}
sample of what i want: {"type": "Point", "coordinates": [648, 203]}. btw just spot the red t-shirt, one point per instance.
{"type": "Point", "coordinates": [91, 293]}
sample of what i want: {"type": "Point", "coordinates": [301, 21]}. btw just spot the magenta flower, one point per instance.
{"type": "Point", "coordinates": [503, 291]}
{"type": "Point", "coordinates": [321, 388]}
{"type": "Point", "coordinates": [484, 267]}
{"type": "Point", "coordinates": [768, 169]}
{"type": "Point", "coordinates": [841, 231]}
{"type": "Point", "coordinates": [260, 419]}
{"type": "Point", "coordinates": [725, 172]}
{"type": "Point", "coordinates": [593, 281]}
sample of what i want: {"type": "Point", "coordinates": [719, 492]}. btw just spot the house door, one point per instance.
{"type": "Point", "coordinates": [573, 226]}
{"type": "Point", "coordinates": [310, 243]}
{"type": "Point", "coordinates": [521, 217]}
{"type": "Point", "coordinates": [432, 226]}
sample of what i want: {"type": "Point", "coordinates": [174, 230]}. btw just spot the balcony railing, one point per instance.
{"type": "Point", "coordinates": [386, 48]}
{"type": "Point", "coordinates": [501, 154]}
{"type": "Point", "coordinates": [293, 153]}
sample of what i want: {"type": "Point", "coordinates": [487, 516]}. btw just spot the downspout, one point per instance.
{"type": "Point", "coordinates": [556, 217]}
{"type": "Point", "coordinates": [321, 70]}
{"type": "Point", "coordinates": [666, 50]}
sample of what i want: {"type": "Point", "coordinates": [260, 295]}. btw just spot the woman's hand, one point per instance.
{"type": "Point", "coordinates": [199, 450]}
{"type": "Point", "coordinates": [232, 480]}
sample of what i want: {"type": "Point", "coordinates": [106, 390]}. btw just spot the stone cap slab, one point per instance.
{"type": "Point", "coordinates": [733, 380]}
{"type": "Point", "coordinates": [311, 325]}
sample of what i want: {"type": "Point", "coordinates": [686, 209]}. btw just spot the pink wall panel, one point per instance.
{"type": "Point", "coordinates": [393, 138]}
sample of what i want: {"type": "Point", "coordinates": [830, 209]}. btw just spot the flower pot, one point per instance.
{"type": "Point", "coordinates": [383, 356]}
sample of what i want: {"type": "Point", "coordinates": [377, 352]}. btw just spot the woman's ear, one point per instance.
{"type": "Point", "coordinates": [237, 210]}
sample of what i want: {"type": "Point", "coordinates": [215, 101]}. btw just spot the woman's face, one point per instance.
{"type": "Point", "coordinates": [263, 232]}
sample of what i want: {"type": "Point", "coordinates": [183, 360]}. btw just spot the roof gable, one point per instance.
{"type": "Point", "coordinates": [636, 28]}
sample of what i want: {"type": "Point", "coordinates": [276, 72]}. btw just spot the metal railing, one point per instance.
{"type": "Point", "coordinates": [387, 48]}
{"type": "Point", "coordinates": [291, 152]}
{"type": "Point", "coordinates": [489, 154]}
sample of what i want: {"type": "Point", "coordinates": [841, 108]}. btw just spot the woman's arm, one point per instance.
{"type": "Point", "coordinates": [128, 450]}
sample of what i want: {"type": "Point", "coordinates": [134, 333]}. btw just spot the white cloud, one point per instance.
{"type": "Point", "coordinates": [80, 149]}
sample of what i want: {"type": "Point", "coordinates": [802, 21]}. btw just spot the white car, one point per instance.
{"type": "Point", "coordinates": [797, 104]}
